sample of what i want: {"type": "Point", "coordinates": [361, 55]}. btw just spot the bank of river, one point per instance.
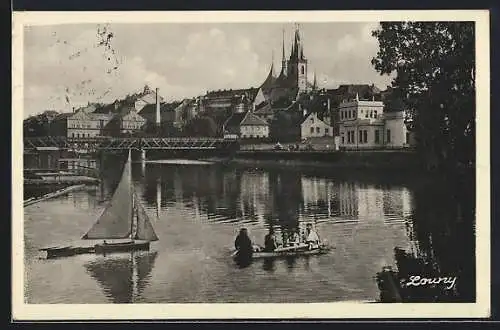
{"type": "Point", "coordinates": [376, 160]}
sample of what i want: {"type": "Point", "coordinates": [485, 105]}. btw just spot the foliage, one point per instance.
{"type": "Point", "coordinates": [285, 126]}
{"type": "Point", "coordinates": [434, 62]}
{"type": "Point", "coordinates": [201, 126]}
{"type": "Point", "coordinates": [39, 125]}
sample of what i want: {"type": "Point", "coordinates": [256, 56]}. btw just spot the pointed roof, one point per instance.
{"type": "Point", "coordinates": [252, 120]}
{"type": "Point", "coordinates": [297, 51]}
{"type": "Point", "coordinates": [270, 80]}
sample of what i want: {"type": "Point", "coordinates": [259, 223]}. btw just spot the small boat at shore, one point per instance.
{"type": "Point", "coordinates": [123, 225]}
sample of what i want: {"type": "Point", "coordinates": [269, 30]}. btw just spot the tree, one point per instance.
{"type": "Point", "coordinates": [201, 126]}
{"type": "Point", "coordinates": [434, 62]}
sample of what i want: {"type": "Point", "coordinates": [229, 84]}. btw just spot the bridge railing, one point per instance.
{"type": "Point", "coordinates": [128, 142]}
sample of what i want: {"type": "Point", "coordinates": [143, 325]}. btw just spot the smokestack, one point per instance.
{"type": "Point", "coordinates": [157, 107]}
{"type": "Point", "coordinates": [328, 102]}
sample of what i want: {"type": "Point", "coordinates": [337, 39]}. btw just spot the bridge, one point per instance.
{"type": "Point", "coordinates": [34, 144]}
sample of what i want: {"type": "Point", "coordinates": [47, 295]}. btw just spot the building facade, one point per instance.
{"type": "Point", "coordinates": [245, 125]}
{"type": "Point", "coordinates": [313, 127]}
{"type": "Point", "coordinates": [87, 125]}
{"type": "Point", "coordinates": [364, 125]}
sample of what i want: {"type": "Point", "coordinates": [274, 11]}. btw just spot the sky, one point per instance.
{"type": "Point", "coordinates": [66, 66]}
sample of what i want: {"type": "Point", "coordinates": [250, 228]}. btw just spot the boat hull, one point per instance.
{"type": "Point", "coordinates": [99, 248]}
{"type": "Point", "coordinates": [288, 253]}
{"type": "Point", "coordinates": [121, 247]}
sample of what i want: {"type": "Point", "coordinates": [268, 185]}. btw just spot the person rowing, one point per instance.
{"type": "Point", "coordinates": [244, 247]}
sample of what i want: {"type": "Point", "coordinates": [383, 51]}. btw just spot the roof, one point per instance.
{"type": "Point", "coordinates": [317, 117]}
{"type": "Point", "coordinates": [151, 108]}
{"type": "Point", "coordinates": [270, 79]}
{"type": "Point", "coordinates": [252, 120]}
{"type": "Point", "coordinates": [149, 97]}
{"type": "Point", "coordinates": [265, 108]}
{"type": "Point", "coordinates": [232, 92]}
{"type": "Point", "coordinates": [63, 115]}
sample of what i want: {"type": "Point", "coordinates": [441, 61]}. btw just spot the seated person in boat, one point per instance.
{"type": "Point", "coordinates": [243, 243]}
{"type": "Point", "coordinates": [270, 243]}
{"type": "Point", "coordinates": [312, 238]}
{"type": "Point", "coordinates": [294, 238]}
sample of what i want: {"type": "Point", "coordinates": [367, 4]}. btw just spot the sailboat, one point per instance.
{"type": "Point", "coordinates": [123, 225]}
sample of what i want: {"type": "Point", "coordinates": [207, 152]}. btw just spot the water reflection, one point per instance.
{"type": "Point", "coordinates": [122, 277]}
{"type": "Point", "coordinates": [200, 209]}
{"type": "Point", "coordinates": [442, 232]}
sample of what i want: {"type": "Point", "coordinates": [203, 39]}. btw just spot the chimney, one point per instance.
{"type": "Point", "coordinates": [157, 107]}
{"type": "Point", "coordinates": [328, 104]}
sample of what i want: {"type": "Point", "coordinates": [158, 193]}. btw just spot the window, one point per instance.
{"type": "Point", "coordinates": [388, 136]}
{"type": "Point", "coordinates": [312, 130]}
{"type": "Point", "coordinates": [317, 130]}
{"type": "Point", "coordinates": [360, 136]}
{"type": "Point", "coordinates": [326, 131]}
{"type": "Point", "coordinates": [77, 135]}
{"type": "Point", "coordinates": [354, 114]}
{"type": "Point", "coordinates": [72, 135]}
{"type": "Point", "coordinates": [302, 69]}
{"type": "Point", "coordinates": [343, 139]}
{"type": "Point", "coordinates": [365, 136]}
{"type": "Point", "coordinates": [366, 114]}
{"type": "Point", "coordinates": [407, 138]}
{"type": "Point", "coordinates": [375, 113]}
{"type": "Point", "coordinates": [312, 120]}
{"type": "Point", "coordinates": [371, 114]}
{"type": "Point", "coordinates": [377, 136]}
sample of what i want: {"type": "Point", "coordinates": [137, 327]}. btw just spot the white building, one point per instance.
{"type": "Point", "coordinates": [86, 125]}
{"type": "Point", "coordinates": [312, 127]}
{"type": "Point", "coordinates": [148, 97]}
{"type": "Point", "coordinates": [245, 125]}
{"type": "Point", "coordinates": [364, 125]}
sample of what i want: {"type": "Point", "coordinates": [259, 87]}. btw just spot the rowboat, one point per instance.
{"type": "Point", "coordinates": [289, 251]}
{"type": "Point", "coordinates": [123, 225]}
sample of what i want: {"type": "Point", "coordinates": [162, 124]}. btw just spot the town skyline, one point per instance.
{"type": "Point", "coordinates": [107, 62]}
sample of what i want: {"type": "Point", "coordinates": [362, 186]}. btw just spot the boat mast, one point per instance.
{"type": "Point", "coordinates": [131, 197]}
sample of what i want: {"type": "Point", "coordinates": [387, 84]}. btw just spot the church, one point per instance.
{"type": "Point", "coordinates": [284, 89]}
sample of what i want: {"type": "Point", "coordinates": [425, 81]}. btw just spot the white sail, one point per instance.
{"type": "Point", "coordinates": [145, 230]}
{"type": "Point", "coordinates": [116, 219]}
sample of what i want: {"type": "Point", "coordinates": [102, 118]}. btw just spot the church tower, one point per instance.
{"type": "Point", "coordinates": [297, 64]}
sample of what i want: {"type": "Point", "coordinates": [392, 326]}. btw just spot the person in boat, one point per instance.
{"type": "Point", "coordinates": [312, 238]}
{"type": "Point", "coordinates": [243, 243]}
{"type": "Point", "coordinates": [270, 243]}
{"type": "Point", "coordinates": [294, 239]}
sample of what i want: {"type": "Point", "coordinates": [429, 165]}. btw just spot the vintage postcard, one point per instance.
{"type": "Point", "coordinates": [251, 165]}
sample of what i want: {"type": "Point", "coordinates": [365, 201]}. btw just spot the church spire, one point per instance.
{"type": "Point", "coordinates": [283, 50]}
{"type": "Point", "coordinates": [314, 81]}
{"type": "Point", "coordinates": [284, 68]}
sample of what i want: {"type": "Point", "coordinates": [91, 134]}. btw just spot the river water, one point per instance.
{"type": "Point", "coordinates": [197, 210]}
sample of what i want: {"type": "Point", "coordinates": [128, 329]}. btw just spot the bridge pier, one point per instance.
{"type": "Point", "coordinates": [143, 155]}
